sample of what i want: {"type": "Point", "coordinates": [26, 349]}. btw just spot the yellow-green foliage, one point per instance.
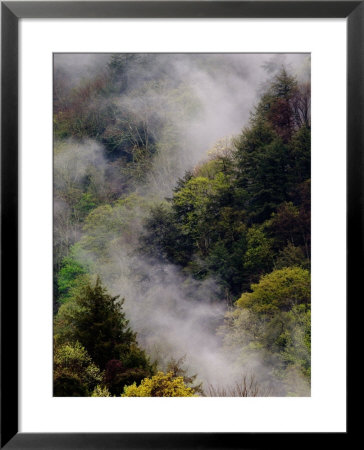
{"type": "Point", "coordinates": [278, 291]}
{"type": "Point", "coordinates": [74, 358]}
{"type": "Point", "coordinates": [100, 391]}
{"type": "Point", "coordinates": [74, 372]}
{"type": "Point", "coordinates": [160, 385]}
{"type": "Point", "coordinates": [109, 225]}
{"type": "Point", "coordinates": [274, 320]}
{"type": "Point", "coordinates": [64, 321]}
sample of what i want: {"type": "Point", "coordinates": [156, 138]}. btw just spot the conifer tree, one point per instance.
{"type": "Point", "coordinates": [101, 326]}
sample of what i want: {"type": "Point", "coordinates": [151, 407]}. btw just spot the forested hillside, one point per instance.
{"type": "Point", "coordinates": [182, 225]}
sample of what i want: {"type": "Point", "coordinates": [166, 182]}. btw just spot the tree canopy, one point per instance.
{"type": "Point", "coordinates": [135, 204]}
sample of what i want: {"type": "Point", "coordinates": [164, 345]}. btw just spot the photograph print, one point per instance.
{"type": "Point", "coordinates": [182, 225]}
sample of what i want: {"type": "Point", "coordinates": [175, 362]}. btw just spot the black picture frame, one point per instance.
{"type": "Point", "coordinates": [11, 12]}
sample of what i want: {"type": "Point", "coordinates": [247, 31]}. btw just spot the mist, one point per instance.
{"type": "Point", "coordinates": [173, 314]}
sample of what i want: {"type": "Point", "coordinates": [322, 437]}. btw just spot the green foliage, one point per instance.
{"type": "Point", "coordinates": [278, 291]}
{"type": "Point", "coordinates": [86, 204]}
{"type": "Point", "coordinates": [273, 155]}
{"type": "Point", "coordinates": [289, 224]}
{"type": "Point", "coordinates": [297, 348]}
{"type": "Point", "coordinates": [101, 325]}
{"type": "Point", "coordinates": [274, 321]}
{"type": "Point", "coordinates": [74, 373]}
{"type": "Point", "coordinates": [196, 205]}
{"type": "Point", "coordinates": [94, 319]}
{"type": "Point", "coordinates": [160, 385]}
{"type": "Point", "coordinates": [276, 105]}
{"type": "Point", "coordinates": [162, 236]}
{"type": "Point", "coordinates": [258, 256]}
{"type": "Point", "coordinates": [239, 214]}
{"type": "Point", "coordinates": [68, 276]}
{"type": "Point", "coordinates": [226, 262]}
{"type": "Point", "coordinates": [98, 322]}
{"type": "Point", "coordinates": [301, 155]}
{"type": "Point", "coordinates": [262, 160]}
{"type": "Point", "coordinates": [100, 391]}
{"type": "Point", "coordinates": [64, 320]}
{"type": "Point", "coordinates": [291, 256]}
{"type": "Point", "coordinates": [109, 226]}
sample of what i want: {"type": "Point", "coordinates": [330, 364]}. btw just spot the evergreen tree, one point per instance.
{"type": "Point", "coordinates": [99, 324]}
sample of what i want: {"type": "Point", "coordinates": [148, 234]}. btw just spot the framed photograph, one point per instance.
{"type": "Point", "coordinates": [160, 162]}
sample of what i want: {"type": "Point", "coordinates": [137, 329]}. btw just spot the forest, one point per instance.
{"type": "Point", "coordinates": [181, 225]}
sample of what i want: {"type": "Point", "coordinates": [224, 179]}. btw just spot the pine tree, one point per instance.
{"type": "Point", "coordinates": [100, 324]}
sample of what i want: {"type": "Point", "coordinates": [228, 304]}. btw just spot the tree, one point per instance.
{"type": "Point", "coordinates": [197, 207]}
{"type": "Point", "coordinates": [300, 156]}
{"type": "Point", "coordinates": [99, 324]}
{"type": "Point", "coordinates": [258, 258]}
{"type": "Point", "coordinates": [272, 325]}
{"type": "Point", "coordinates": [280, 290]}
{"type": "Point", "coordinates": [226, 263]}
{"type": "Point", "coordinates": [96, 320]}
{"type": "Point", "coordinates": [301, 105]}
{"type": "Point", "coordinates": [285, 226]}
{"type": "Point", "coordinates": [176, 367]}
{"type": "Point", "coordinates": [74, 373]}
{"type": "Point", "coordinates": [276, 105]}
{"type": "Point", "coordinates": [262, 162]}
{"type": "Point", "coordinates": [110, 225]}
{"type": "Point", "coordinates": [297, 339]}
{"type": "Point", "coordinates": [70, 270]}
{"type": "Point", "coordinates": [134, 368]}
{"type": "Point", "coordinates": [160, 385]}
{"type": "Point", "coordinates": [100, 391]}
{"type": "Point", "coordinates": [291, 256]}
{"type": "Point", "coordinates": [162, 236]}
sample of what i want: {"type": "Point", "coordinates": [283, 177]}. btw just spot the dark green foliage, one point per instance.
{"type": "Point", "coordinates": [258, 255]}
{"type": "Point", "coordinates": [276, 105]}
{"type": "Point", "coordinates": [163, 237]}
{"type": "Point", "coordinates": [123, 373]}
{"type": "Point", "coordinates": [263, 170]}
{"type": "Point", "coordinates": [227, 263]}
{"type": "Point", "coordinates": [69, 386]}
{"type": "Point", "coordinates": [101, 325]}
{"type": "Point", "coordinates": [291, 256]}
{"type": "Point", "coordinates": [300, 154]}
{"type": "Point", "coordinates": [91, 328]}
{"type": "Point", "coordinates": [245, 210]}
{"type": "Point", "coordinates": [98, 322]}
